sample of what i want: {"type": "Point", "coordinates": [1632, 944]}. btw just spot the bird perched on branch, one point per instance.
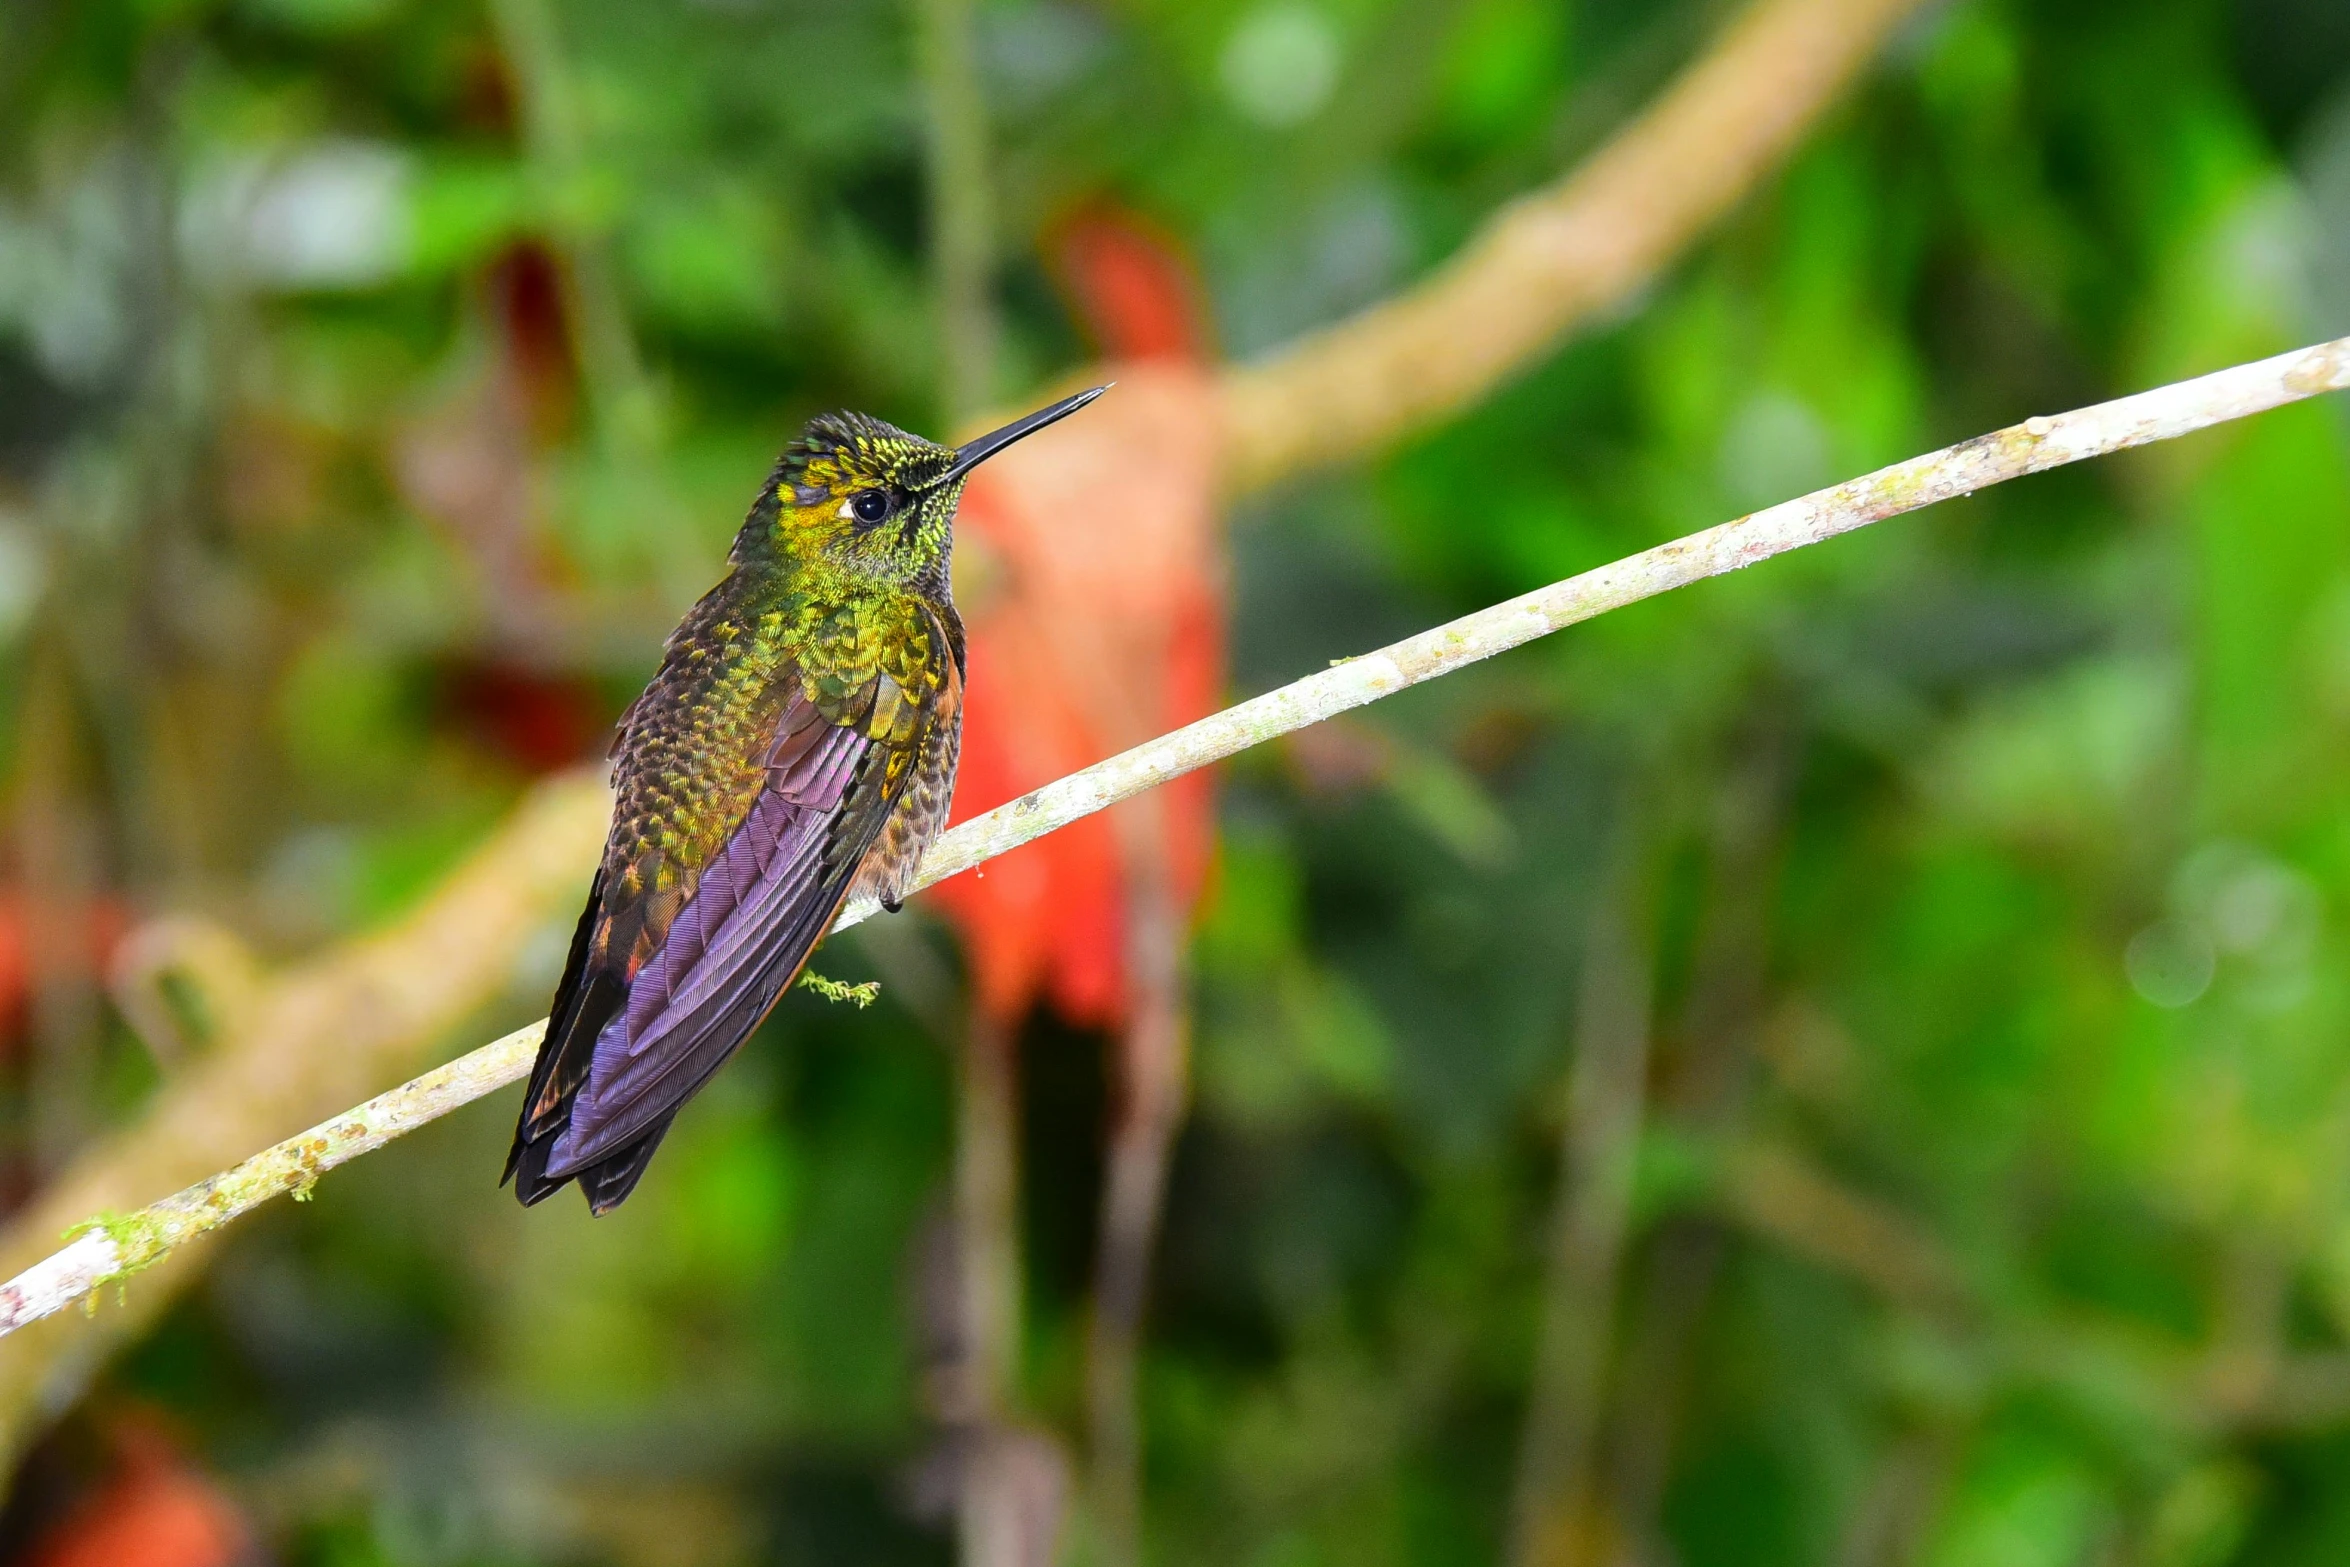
{"type": "Point", "coordinates": [798, 745]}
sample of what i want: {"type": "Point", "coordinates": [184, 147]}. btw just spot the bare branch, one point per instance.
{"type": "Point", "coordinates": [2031, 447]}
{"type": "Point", "coordinates": [1599, 1144]}
{"type": "Point", "coordinates": [1778, 1193]}
{"type": "Point", "coordinates": [313, 1038]}
{"type": "Point", "coordinates": [961, 200]}
{"type": "Point", "coordinates": [115, 1247]}
{"type": "Point", "coordinates": [2034, 446]}
{"type": "Point", "coordinates": [1560, 255]}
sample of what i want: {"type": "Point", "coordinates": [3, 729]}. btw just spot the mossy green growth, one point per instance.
{"type": "Point", "coordinates": [140, 1241]}
{"type": "Point", "coordinates": [840, 990]}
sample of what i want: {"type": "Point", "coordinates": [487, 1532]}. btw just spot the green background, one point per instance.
{"type": "Point", "coordinates": [1995, 863]}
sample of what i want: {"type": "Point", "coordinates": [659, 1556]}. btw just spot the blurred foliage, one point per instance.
{"type": "Point", "coordinates": [379, 378]}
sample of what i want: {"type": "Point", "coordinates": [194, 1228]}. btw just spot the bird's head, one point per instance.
{"type": "Point", "coordinates": [873, 500]}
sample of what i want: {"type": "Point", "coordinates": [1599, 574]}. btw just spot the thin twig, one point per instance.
{"type": "Point", "coordinates": [1607, 1097]}
{"type": "Point", "coordinates": [112, 1248]}
{"type": "Point", "coordinates": [1780, 1195]}
{"type": "Point", "coordinates": [962, 218]}
{"type": "Point", "coordinates": [1153, 1054]}
{"type": "Point", "coordinates": [2034, 446]}
{"type": "Point", "coordinates": [620, 393]}
{"type": "Point", "coordinates": [314, 1038]}
{"type": "Point", "coordinates": [1776, 1191]}
{"type": "Point", "coordinates": [57, 841]}
{"type": "Point", "coordinates": [996, 1524]}
{"type": "Point", "coordinates": [1705, 1089]}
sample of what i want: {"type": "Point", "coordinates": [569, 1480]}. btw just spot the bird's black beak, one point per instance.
{"type": "Point", "coordinates": [972, 453]}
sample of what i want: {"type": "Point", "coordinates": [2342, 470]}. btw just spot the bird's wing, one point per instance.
{"type": "Point", "coordinates": [760, 908]}
{"type": "Point", "coordinates": [584, 997]}
{"type": "Point", "coordinates": [672, 968]}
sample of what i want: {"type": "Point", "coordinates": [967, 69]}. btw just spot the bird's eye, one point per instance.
{"type": "Point", "coordinates": [869, 505]}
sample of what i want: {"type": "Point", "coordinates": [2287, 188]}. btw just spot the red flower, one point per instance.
{"type": "Point", "coordinates": [1091, 583]}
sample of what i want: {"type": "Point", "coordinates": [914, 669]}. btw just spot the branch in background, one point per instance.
{"type": "Point", "coordinates": [1607, 1093]}
{"type": "Point", "coordinates": [1559, 256]}
{"type": "Point", "coordinates": [628, 412]}
{"type": "Point", "coordinates": [2034, 446]}
{"type": "Point", "coordinates": [1150, 1090]}
{"type": "Point", "coordinates": [1706, 1086]}
{"type": "Point", "coordinates": [1777, 1192]}
{"type": "Point", "coordinates": [321, 1036]}
{"type": "Point", "coordinates": [1886, 1525]}
{"type": "Point", "coordinates": [962, 219]}
{"type": "Point", "coordinates": [57, 840]}
{"type": "Point", "coordinates": [369, 999]}
{"type": "Point", "coordinates": [116, 1247]}
{"type": "Point", "coordinates": [1010, 1489]}
{"type": "Point", "coordinates": [1012, 1486]}
{"type": "Point", "coordinates": [620, 393]}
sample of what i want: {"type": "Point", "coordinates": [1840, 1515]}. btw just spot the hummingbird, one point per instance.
{"type": "Point", "coordinates": [796, 748]}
